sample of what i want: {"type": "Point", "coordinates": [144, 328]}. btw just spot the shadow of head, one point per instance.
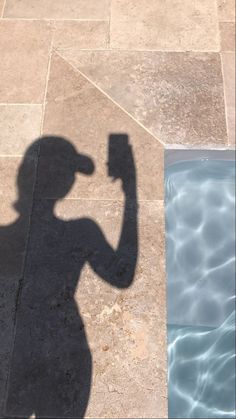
{"type": "Point", "coordinates": [58, 164]}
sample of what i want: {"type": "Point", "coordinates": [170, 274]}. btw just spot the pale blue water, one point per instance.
{"type": "Point", "coordinates": [200, 240]}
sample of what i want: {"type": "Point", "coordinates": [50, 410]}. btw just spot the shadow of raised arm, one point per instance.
{"type": "Point", "coordinates": [118, 266]}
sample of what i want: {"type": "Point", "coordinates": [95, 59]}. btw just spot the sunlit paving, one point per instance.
{"type": "Point", "coordinates": [117, 209]}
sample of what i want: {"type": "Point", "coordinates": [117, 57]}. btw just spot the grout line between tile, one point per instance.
{"type": "Point", "coordinates": [111, 99]}
{"type": "Point", "coordinates": [218, 25]}
{"type": "Point", "coordinates": [215, 51]}
{"type": "Point", "coordinates": [225, 103]}
{"type": "Point", "coordinates": [3, 8]}
{"type": "Point", "coordinates": [20, 104]}
{"type": "Point", "coordinates": [16, 156]}
{"type": "Point", "coordinates": [223, 80]}
{"type": "Point", "coordinates": [46, 83]}
{"type": "Point", "coordinates": [109, 27]}
{"type": "Point", "coordinates": [53, 19]}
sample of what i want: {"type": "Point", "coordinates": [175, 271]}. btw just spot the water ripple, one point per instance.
{"type": "Point", "coordinates": [200, 238]}
{"type": "Point", "coordinates": [202, 371]}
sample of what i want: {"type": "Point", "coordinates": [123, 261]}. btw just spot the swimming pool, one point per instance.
{"type": "Point", "coordinates": [200, 244]}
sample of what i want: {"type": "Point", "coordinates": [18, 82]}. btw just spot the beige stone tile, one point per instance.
{"type": "Point", "coordinates": [171, 25]}
{"type": "Point", "coordinates": [226, 10]}
{"type": "Point", "coordinates": [20, 125]}
{"type": "Point", "coordinates": [24, 49]}
{"type": "Point", "coordinates": [1, 7]}
{"type": "Point", "coordinates": [125, 328]}
{"type": "Point", "coordinates": [177, 96]}
{"type": "Point", "coordinates": [228, 60]}
{"type": "Point", "coordinates": [60, 9]}
{"type": "Point", "coordinates": [86, 117]}
{"type": "Point", "coordinates": [74, 35]}
{"type": "Point", "coordinates": [227, 33]}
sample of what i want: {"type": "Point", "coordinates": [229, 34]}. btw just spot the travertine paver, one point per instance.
{"type": "Point", "coordinates": [120, 322]}
{"type": "Point", "coordinates": [175, 94]}
{"type": "Point", "coordinates": [226, 10]}
{"type": "Point", "coordinates": [178, 25]}
{"type": "Point", "coordinates": [227, 33]}
{"type": "Point", "coordinates": [52, 9]}
{"type": "Point", "coordinates": [20, 124]}
{"type": "Point", "coordinates": [1, 7]}
{"type": "Point", "coordinates": [178, 96]}
{"type": "Point", "coordinates": [125, 330]}
{"type": "Point", "coordinates": [79, 111]}
{"type": "Point", "coordinates": [24, 47]}
{"type": "Point", "coordinates": [73, 35]}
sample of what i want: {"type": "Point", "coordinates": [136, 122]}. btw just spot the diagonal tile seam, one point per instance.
{"type": "Point", "coordinates": [76, 70]}
{"type": "Point", "coordinates": [165, 145]}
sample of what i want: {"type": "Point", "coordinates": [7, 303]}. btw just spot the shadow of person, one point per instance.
{"type": "Point", "coordinates": [51, 365]}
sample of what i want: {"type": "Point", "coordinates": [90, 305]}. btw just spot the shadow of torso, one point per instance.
{"type": "Point", "coordinates": [51, 365]}
{"type": "Point", "coordinates": [52, 348]}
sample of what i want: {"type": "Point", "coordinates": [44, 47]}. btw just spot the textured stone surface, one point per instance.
{"type": "Point", "coordinates": [227, 33]}
{"type": "Point", "coordinates": [24, 49]}
{"type": "Point", "coordinates": [226, 10]}
{"type": "Point", "coordinates": [177, 25]}
{"type": "Point", "coordinates": [52, 9]}
{"type": "Point", "coordinates": [14, 226]}
{"type": "Point", "coordinates": [80, 112]}
{"type": "Point", "coordinates": [125, 329]}
{"type": "Point", "coordinates": [228, 60]}
{"type": "Point", "coordinates": [177, 96]}
{"type": "Point", "coordinates": [1, 7]}
{"type": "Point", "coordinates": [74, 35]}
{"type": "Point", "coordinates": [20, 125]}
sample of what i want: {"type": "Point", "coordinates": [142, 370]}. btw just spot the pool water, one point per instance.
{"type": "Point", "coordinates": [200, 242]}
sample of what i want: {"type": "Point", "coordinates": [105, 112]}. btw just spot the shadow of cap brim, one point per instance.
{"type": "Point", "coordinates": [84, 165]}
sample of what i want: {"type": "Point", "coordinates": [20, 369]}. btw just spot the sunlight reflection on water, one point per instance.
{"type": "Point", "coordinates": [200, 240]}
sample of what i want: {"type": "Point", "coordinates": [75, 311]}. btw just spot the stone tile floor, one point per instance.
{"type": "Point", "coordinates": [158, 74]}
